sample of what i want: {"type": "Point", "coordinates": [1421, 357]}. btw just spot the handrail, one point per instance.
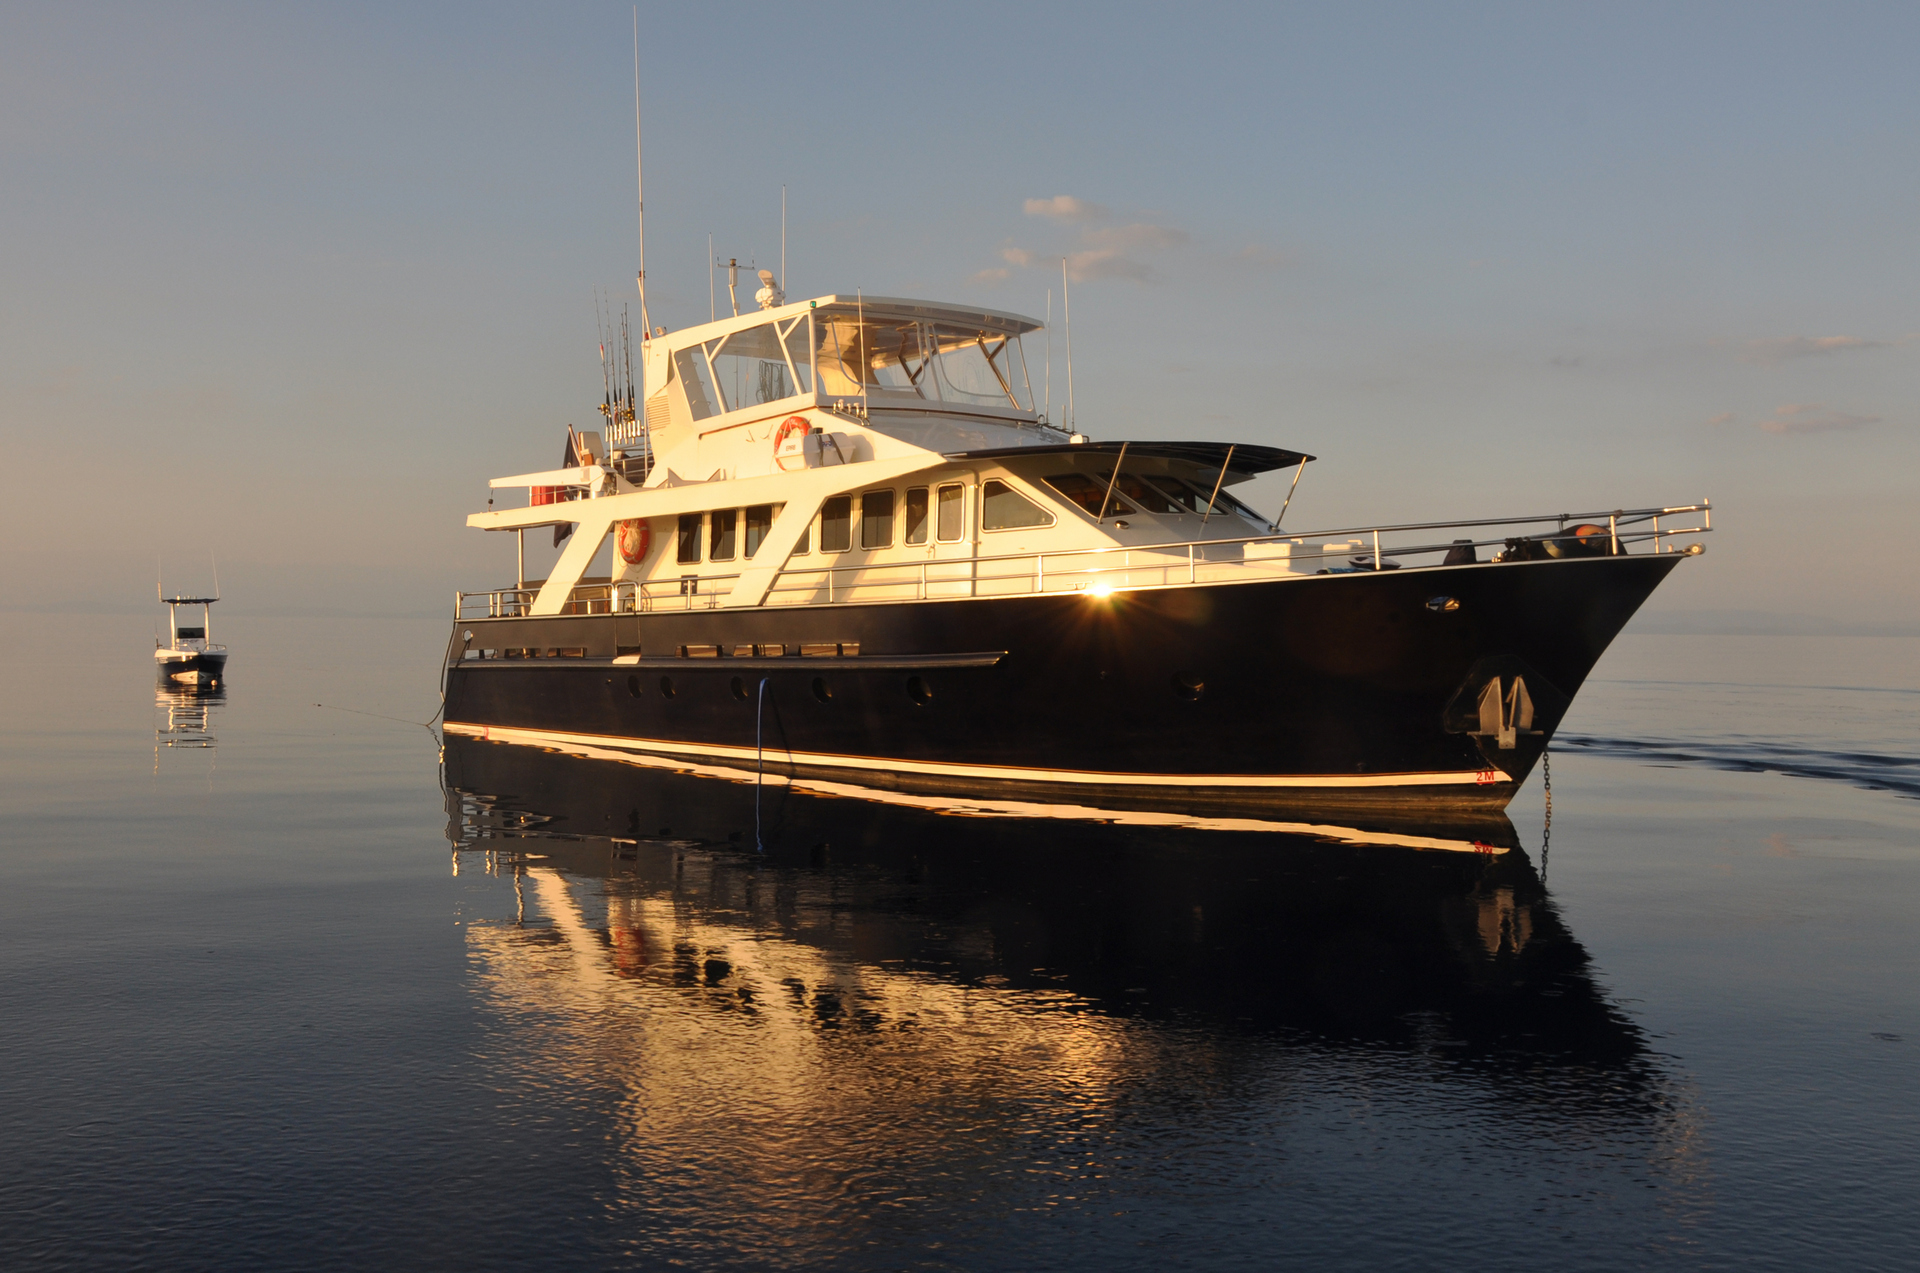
{"type": "Point", "coordinates": [982, 575]}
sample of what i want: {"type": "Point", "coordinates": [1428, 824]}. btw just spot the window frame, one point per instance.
{"type": "Point", "coordinates": [845, 519]}
{"type": "Point", "coordinates": [960, 520]}
{"type": "Point", "coordinates": [893, 502]}
{"type": "Point", "coordinates": [926, 517]}
{"type": "Point", "coordinates": [731, 518]}
{"type": "Point", "coordinates": [697, 523]}
{"type": "Point", "coordinates": [1038, 504]}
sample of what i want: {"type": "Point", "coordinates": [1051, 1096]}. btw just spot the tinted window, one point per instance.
{"type": "Point", "coordinates": [953, 525]}
{"type": "Point", "coordinates": [916, 515]}
{"type": "Point", "coordinates": [1195, 499]}
{"type": "Point", "coordinates": [876, 519]}
{"type": "Point", "coordinates": [689, 537]}
{"type": "Point", "coordinates": [1142, 493]}
{"type": "Point", "coordinates": [1003, 508]}
{"type": "Point", "coordinates": [1088, 494]}
{"type": "Point", "coordinates": [836, 524]}
{"type": "Point", "coordinates": [759, 522]}
{"type": "Point", "coordinates": [721, 540]}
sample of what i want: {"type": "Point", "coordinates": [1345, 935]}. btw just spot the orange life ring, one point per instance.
{"type": "Point", "coordinates": [633, 537]}
{"type": "Point", "coordinates": [789, 425]}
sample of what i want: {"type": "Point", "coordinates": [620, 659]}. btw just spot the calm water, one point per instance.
{"type": "Point", "coordinates": [302, 998]}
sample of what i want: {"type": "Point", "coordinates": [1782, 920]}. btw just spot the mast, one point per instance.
{"type": "Point", "coordinates": [640, 190]}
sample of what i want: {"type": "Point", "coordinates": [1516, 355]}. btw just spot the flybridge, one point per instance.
{"type": "Point", "coordinates": [852, 354]}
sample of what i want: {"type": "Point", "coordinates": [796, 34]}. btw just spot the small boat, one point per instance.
{"type": "Point", "coordinates": [188, 658]}
{"type": "Point", "coordinates": [847, 545]}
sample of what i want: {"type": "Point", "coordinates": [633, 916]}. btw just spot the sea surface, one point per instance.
{"type": "Point", "coordinates": [284, 986]}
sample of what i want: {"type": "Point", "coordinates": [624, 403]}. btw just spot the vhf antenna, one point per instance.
{"type": "Point", "coordinates": [640, 184]}
{"type": "Point", "coordinates": [1066, 303]}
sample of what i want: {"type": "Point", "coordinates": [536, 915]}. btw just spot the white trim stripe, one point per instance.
{"type": "Point", "coordinates": [973, 807]}
{"type": "Point", "coordinates": [997, 773]}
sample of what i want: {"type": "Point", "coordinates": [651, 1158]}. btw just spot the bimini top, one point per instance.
{"type": "Point", "coordinates": [1246, 458]}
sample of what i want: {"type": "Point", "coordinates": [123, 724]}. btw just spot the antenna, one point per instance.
{"type": "Point", "coordinates": [783, 240]}
{"type": "Point", "coordinates": [640, 184]}
{"type": "Point", "coordinates": [1066, 304]}
{"type": "Point", "coordinates": [713, 313]}
{"type": "Point", "coordinates": [860, 343]}
{"type": "Point", "coordinates": [733, 279]}
{"type": "Point", "coordinates": [1048, 412]}
{"type": "Point", "coordinates": [216, 575]}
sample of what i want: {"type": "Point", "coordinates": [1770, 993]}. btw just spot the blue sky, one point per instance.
{"type": "Point", "coordinates": [293, 283]}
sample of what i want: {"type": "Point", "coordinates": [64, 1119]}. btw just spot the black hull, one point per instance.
{"type": "Point", "coordinates": [1341, 693]}
{"type": "Point", "coordinates": [210, 669]}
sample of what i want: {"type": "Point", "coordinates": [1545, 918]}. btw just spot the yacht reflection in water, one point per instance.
{"type": "Point", "coordinates": [184, 716]}
{"type": "Point", "coordinates": [636, 884]}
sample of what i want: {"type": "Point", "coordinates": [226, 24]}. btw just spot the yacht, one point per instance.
{"type": "Point", "coordinates": [188, 657]}
{"type": "Point", "coordinates": [838, 540]}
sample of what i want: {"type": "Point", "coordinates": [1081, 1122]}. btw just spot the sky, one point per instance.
{"type": "Point", "coordinates": [285, 285]}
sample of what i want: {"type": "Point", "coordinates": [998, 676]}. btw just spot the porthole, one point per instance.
{"type": "Point", "coordinates": [918, 690]}
{"type": "Point", "coordinates": [633, 685]}
{"type": "Point", "coordinates": [1188, 686]}
{"type": "Point", "coordinates": [821, 690]}
{"type": "Point", "coordinates": [739, 689]}
{"type": "Point", "coordinates": [666, 687]}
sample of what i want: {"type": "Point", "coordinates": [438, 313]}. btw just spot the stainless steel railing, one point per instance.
{"type": "Point", "coordinates": [1113, 567]}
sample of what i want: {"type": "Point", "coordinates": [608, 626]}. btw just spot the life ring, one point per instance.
{"type": "Point", "coordinates": [633, 537]}
{"type": "Point", "coordinates": [791, 424]}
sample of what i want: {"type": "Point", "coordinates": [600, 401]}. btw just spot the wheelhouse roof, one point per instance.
{"type": "Point", "coordinates": [881, 307]}
{"type": "Point", "coordinates": [1245, 458]}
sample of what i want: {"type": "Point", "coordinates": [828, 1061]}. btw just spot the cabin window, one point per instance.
{"type": "Point", "coordinates": [916, 515]}
{"type": "Point", "coordinates": [1003, 508]}
{"type": "Point", "coordinates": [1192, 498]}
{"type": "Point", "coordinates": [806, 541]}
{"type": "Point", "coordinates": [690, 368]}
{"type": "Point", "coordinates": [689, 538]}
{"type": "Point", "coordinates": [799, 356]}
{"type": "Point", "coordinates": [863, 349]}
{"type": "Point", "coordinates": [836, 524]}
{"type": "Point", "coordinates": [750, 368]}
{"type": "Point", "coordinates": [191, 634]}
{"type": "Point", "coordinates": [952, 527]}
{"type": "Point", "coordinates": [876, 519]}
{"type": "Point", "coordinates": [1144, 493]}
{"type": "Point", "coordinates": [759, 523]}
{"type": "Point", "coordinates": [1087, 494]}
{"type": "Point", "coordinates": [724, 526]}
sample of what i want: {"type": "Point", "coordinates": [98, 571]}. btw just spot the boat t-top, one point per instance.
{"type": "Point", "coordinates": [843, 543]}
{"type": "Point", "coordinates": [188, 658]}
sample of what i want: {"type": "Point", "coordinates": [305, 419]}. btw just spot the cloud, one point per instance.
{"type": "Point", "coordinates": [1812, 417]}
{"type": "Point", "coordinates": [1133, 238]}
{"type": "Point", "coordinates": [1064, 207]}
{"type": "Point", "coordinates": [995, 275]}
{"type": "Point", "coordinates": [1782, 348]}
{"type": "Point", "coordinates": [1106, 263]}
{"type": "Point", "coordinates": [1725, 417]}
{"type": "Point", "coordinates": [1103, 251]}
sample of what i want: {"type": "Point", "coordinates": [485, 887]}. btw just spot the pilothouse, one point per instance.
{"type": "Point", "coordinates": [846, 545]}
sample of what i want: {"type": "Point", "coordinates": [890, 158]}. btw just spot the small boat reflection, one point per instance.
{"type": "Point", "coordinates": [189, 715]}
{"type": "Point", "coordinates": [875, 916]}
